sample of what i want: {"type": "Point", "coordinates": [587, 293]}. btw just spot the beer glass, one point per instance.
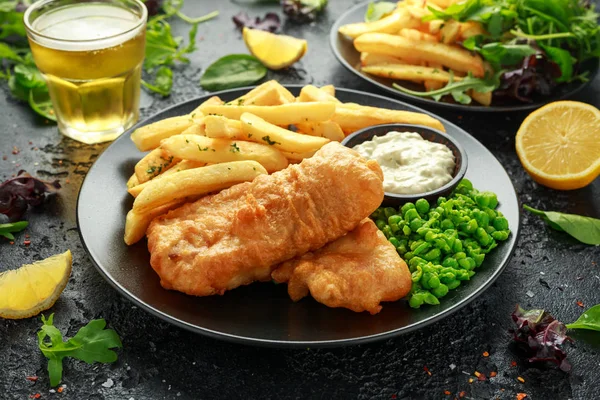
{"type": "Point", "coordinates": [91, 54]}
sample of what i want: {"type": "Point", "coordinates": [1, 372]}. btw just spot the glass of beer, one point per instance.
{"type": "Point", "coordinates": [91, 54]}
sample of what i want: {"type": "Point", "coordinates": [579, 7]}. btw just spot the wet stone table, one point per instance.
{"type": "Point", "coordinates": [548, 270]}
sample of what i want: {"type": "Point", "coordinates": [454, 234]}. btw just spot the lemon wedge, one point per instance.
{"type": "Point", "coordinates": [559, 144]}
{"type": "Point", "coordinates": [33, 288]}
{"type": "Point", "coordinates": [274, 51]}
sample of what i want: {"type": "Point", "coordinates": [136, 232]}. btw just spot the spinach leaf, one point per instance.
{"type": "Point", "coordinates": [590, 319]}
{"type": "Point", "coordinates": [376, 11]}
{"type": "Point", "coordinates": [499, 54]}
{"type": "Point", "coordinates": [11, 22]}
{"type": "Point", "coordinates": [563, 59]}
{"type": "Point", "coordinates": [163, 82]}
{"type": "Point", "coordinates": [9, 53]}
{"type": "Point", "coordinates": [234, 70]}
{"type": "Point", "coordinates": [584, 229]}
{"type": "Point", "coordinates": [39, 100]}
{"type": "Point", "coordinates": [7, 230]}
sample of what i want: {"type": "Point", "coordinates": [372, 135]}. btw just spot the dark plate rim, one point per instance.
{"type": "Point", "coordinates": [334, 36]}
{"type": "Point", "coordinates": [281, 343]}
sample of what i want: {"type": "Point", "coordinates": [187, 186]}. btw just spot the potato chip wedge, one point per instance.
{"type": "Point", "coordinates": [284, 114]}
{"type": "Point", "coordinates": [405, 72]}
{"type": "Point", "coordinates": [312, 93]}
{"type": "Point", "coordinates": [180, 166]}
{"type": "Point", "coordinates": [153, 164]}
{"type": "Point", "coordinates": [259, 130]}
{"type": "Point", "coordinates": [390, 24]}
{"type": "Point", "coordinates": [195, 182]}
{"type": "Point", "coordinates": [148, 137]}
{"type": "Point", "coordinates": [214, 151]}
{"type": "Point", "coordinates": [326, 129]}
{"type": "Point", "coordinates": [354, 118]}
{"type": "Point", "coordinates": [225, 128]}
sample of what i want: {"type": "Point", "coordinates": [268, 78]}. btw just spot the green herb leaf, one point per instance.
{"type": "Point", "coordinates": [163, 82]}
{"type": "Point", "coordinates": [11, 21]}
{"type": "Point", "coordinates": [13, 226]}
{"type": "Point", "coordinates": [584, 229]}
{"type": "Point", "coordinates": [233, 71]}
{"type": "Point", "coordinates": [590, 319]}
{"type": "Point", "coordinates": [39, 100]}
{"type": "Point", "coordinates": [376, 11]}
{"type": "Point", "coordinates": [161, 46]}
{"type": "Point", "coordinates": [6, 52]}
{"type": "Point", "coordinates": [563, 59]}
{"type": "Point", "coordinates": [92, 343]}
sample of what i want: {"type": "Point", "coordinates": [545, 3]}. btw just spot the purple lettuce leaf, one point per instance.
{"type": "Point", "coordinates": [541, 336]}
{"type": "Point", "coordinates": [270, 23]}
{"type": "Point", "coordinates": [22, 191]}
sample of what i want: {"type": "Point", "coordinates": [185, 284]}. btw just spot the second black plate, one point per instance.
{"type": "Point", "coordinates": [344, 51]}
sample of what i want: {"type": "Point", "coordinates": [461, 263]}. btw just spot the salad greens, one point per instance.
{"type": "Point", "coordinates": [92, 343]}
{"type": "Point", "coordinates": [538, 43]}
{"type": "Point", "coordinates": [378, 10]}
{"type": "Point", "coordinates": [234, 70]}
{"type": "Point", "coordinates": [590, 319]}
{"type": "Point", "coordinates": [584, 229]}
{"type": "Point", "coordinates": [7, 230]}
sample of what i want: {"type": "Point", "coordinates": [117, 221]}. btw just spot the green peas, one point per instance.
{"type": "Point", "coordinates": [430, 236]}
{"type": "Point", "coordinates": [431, 299]}
{"type": "Point", "coordinates": [472, 226]}
{"type": "Point", "coordinates": [416, 300]}
{"type": "Point", "coordinates": [421, 248]}
{"type": "Point", "coordinates": [500, 224]}
{"type": "Point", "coordinates": [416, 261]}
{"type": "Point", "coordinates": [467, 263]}
{"type": "Point", "coordinates": [415, 224]}
{"type": "Point", "coordinates": [478, 259]}
{"type": "Point", "coordinates": [486, 199]}
{"type": "Point", "coordinates": [500, 235]}
{"type": "Point", "coordinates": [380, 224]}
{"type": "Point", "coordinates": [440, 291]}
{"type": "Point", "coordinates": [457, 246]}
{"type": "Point", "coordinates": [417, 274]}
{"type": "Point", "coordinates": [450, 262]}
{"type": "Point", "coordinates": [446, 224]}
{"type": "Point", "coordinates": [394, 219]}
{"type": "Point", "coordinates": [394, 241]}
{"type": "Point", "coordinates": [490, 229]}
{"type": "Point", "coordinates": [442, 200]}
{"type": "Point", "coordinates": [406, 230]}
{"type": "Point", "coordinates": [453, 285]}
{"type": "Point", "coordinates": [460, 255]}
{"type": "Point", "coordinates": [434, 282]}
{"type": "Point", "coordinates": [389, 211]}
{"type": "Point", "coordinates": [447, 277]}
{"type": "Point", "coordinates": [432, 254]}
{"type": "Point", "coordinates": [422, 206]}
{"type": "Point", "coordinates": [387, 231]}
{"type": "Point", "coordinates": [408, 255]}
{"type": "Point", "coordinates": [406, 207]}
{"type": "Point", "coordinates": [482, 237]}
{"type": "Point", "coordinates": [411, 214]}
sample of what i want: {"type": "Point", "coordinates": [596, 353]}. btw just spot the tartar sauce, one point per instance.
{"type": "Point", "coordinates": [410, 164]}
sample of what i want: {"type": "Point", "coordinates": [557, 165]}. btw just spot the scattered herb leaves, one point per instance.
{"type": "Point", "coordinates": [91, 344]}
{"type": "Point", "coordinates": [162, 83]}
{"type": "Point", "coordinates": [234, 148]}
{"type": "Point", "coordinates": [270, 22]}
{"type": "Point", "coordinates": [303, 10]}
{"type": "Point", "coordinates": [590, 319]}
{"type": "Point", "coordinates": [7, 230]}
{"type": "Point", "coordinates": [233, 71]}
{"type": "Point", "coordinates": [584, 229]}
{"type": "Point", "coordinates": [378, 10]}
{"type": "Point", "coordinates": [22, 191]}
{"type": "Point", "coordinates": [269, 141]}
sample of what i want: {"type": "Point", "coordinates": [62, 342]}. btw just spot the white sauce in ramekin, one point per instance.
{"type": "Point", "coordinates": [410, 164]}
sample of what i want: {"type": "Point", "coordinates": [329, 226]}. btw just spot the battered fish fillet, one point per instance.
{"type": "Point", "coordinates": [357, 271]}
{"type": "Point", "coordinates": [239, 235]}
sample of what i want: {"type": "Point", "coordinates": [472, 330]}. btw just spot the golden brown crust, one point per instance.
{"type": "Point", "coordinates": [237, 236]}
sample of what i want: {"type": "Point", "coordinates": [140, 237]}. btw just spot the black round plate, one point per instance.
{"type": "Point", "coordinates": [262, 313]}
{"type": "Point", "coordinates": [350, 58]}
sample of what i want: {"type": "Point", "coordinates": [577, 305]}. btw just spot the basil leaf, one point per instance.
{"type": "Point", "coordinates": [11, 24]}
{"type": "Point", "coordinates": [563, 59]}
{"type": "Point", "coordinates": [584, 229]}
{"type": "Point", "coordinates": [39, 100]}
{"type": "Point", "coordinates": [163, 82]}
{"type": "Point", "coordinates": [232, 71]}
{"type": "Point", "coordinates": [29, 76]}
{"type": "Point", "coordinates": [8, 53]}
{"type": "Point", "coordinates": [590, 319]}
{"type": "Point", "coordinates": [376, 11]}
{"type": "Point", "coordinates": [13, 226]}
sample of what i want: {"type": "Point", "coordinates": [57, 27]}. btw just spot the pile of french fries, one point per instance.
{"type": "Point", "coordinates": [400, 46]}
{"type": "Point", "coordinates": [221, 144]}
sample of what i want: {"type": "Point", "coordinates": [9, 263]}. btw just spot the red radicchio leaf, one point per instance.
{"type": "Point", "coordinates": [270, 22]}
{"type": "Point", "coordinates": [541, 336]}
{"type": "Point", "coordinates": [22, 191]}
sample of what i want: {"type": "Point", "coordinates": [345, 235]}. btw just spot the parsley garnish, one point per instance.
{"type": "Point", "coordinates": [92, 343]}
{"type": "Point", "coordinates": [249, 135]}
{"type": "Point", "coordinates": [203, 149]}
{"type": "Point", "coordinates": [269, 141]}
{"type": "Point", "coordinates": [234, 148]}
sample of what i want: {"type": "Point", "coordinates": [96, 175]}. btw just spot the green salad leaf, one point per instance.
{"type": "Point", "coordinates": [590, 319]}
{"type": "Point", "coordinates": [234, 70]}
{"type": "Point", "coordinates": [378, 10]}
{"type": "Point", "coordinates": [163, 82]}
{"type": "Point", "coordinates": [91, 344]}
{"type": "Point", "coordinates": [584, 229]}
{"type": "Point", "coordinates": [7, 230]}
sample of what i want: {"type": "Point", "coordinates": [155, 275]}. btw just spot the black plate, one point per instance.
{"type": "Point", "coordinates": [262, 313]}
{"type": "Point", "coordinates": [350, 58]}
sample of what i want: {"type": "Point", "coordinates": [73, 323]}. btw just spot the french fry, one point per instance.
{"type": "Point", "coordinates": [450, 31]}
{"type": "Point", "coordinates": [415, 34]}
{"type": "Point", "coordinates": [221, 127]}
{"type": "Point", "coordinates": [455, 58]}
{"type": "Point", "coordinates": [482, 98]}
{"type": "Point", "coordinates": [297, 157]}
{"type": "Point", "coordinates": [413, 73]}
{"type": "Point", "coordinates": [390, 24]}
{"type": "Point", "coordinates": [431, 84]}
{"type": "Point", "coordinates": [329, 89]}
{"type": "Point", "coordinates": [284, 114]}
{"type": "Point", "coordinates": [312, 93]}
{"type": "Point", "coordinates": [270, 93]}
{"type": "Point", "coordinates": [136, 224]}
{"type": "Point", "coordinates": [211, 100]}
{"type": "Point", "coordinates": [153, 164]}
{"type": "Point", "coordinates": [259, 130]}
{"type": "Point", "coordinates": [204, 149]}
{"type": "Point", "coordinates": [197, 128]}
{"type": "Point", "coordinates": [195, 182]}
{"type": "Point", "coordinates": [132, 181]}
{"type": "Point", "coordinates": [435, 26]}
{"type": "Point", "coordinates": [180, 166]}
{"type": "Point", "coordinates": [367, 59]}
{"type": "Point", "coordinates": [326, 129]}
{"type": "Point", "coordinates": [471, 28]}
{"type": "Point", "coordinates": [354, 118]}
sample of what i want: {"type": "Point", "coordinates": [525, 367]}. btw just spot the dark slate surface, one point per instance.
{"type": "Point", "coordinates": [163, 362]}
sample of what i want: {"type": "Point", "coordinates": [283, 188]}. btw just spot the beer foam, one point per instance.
{"type": "Point", "coordinates": [86, 27]}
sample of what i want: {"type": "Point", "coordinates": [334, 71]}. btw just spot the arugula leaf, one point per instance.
{"type": "Point", "coordinates": [163, 82]}
{"type": "Point", "coordinates": [173, 7]}
{"type": "Point", "coordinates": [499, 54]}
{"type": "Point", "coordinates": [584, 229]}
{"type": "Point", "coordinates": [7, 230]}
{"type": "Point", "coordinates": [234, 70]}
{"type": "Point", "coordinates": [590, 319]}
{"type": "Point", "coordinates": [378, 10]}
{"type": "Point", "coordinates": [458, 88]}
{"type": "Point", "coordinates": [92, 343]}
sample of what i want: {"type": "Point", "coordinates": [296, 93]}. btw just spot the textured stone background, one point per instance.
{"type": "Point", "coordinates": [163, 362]}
